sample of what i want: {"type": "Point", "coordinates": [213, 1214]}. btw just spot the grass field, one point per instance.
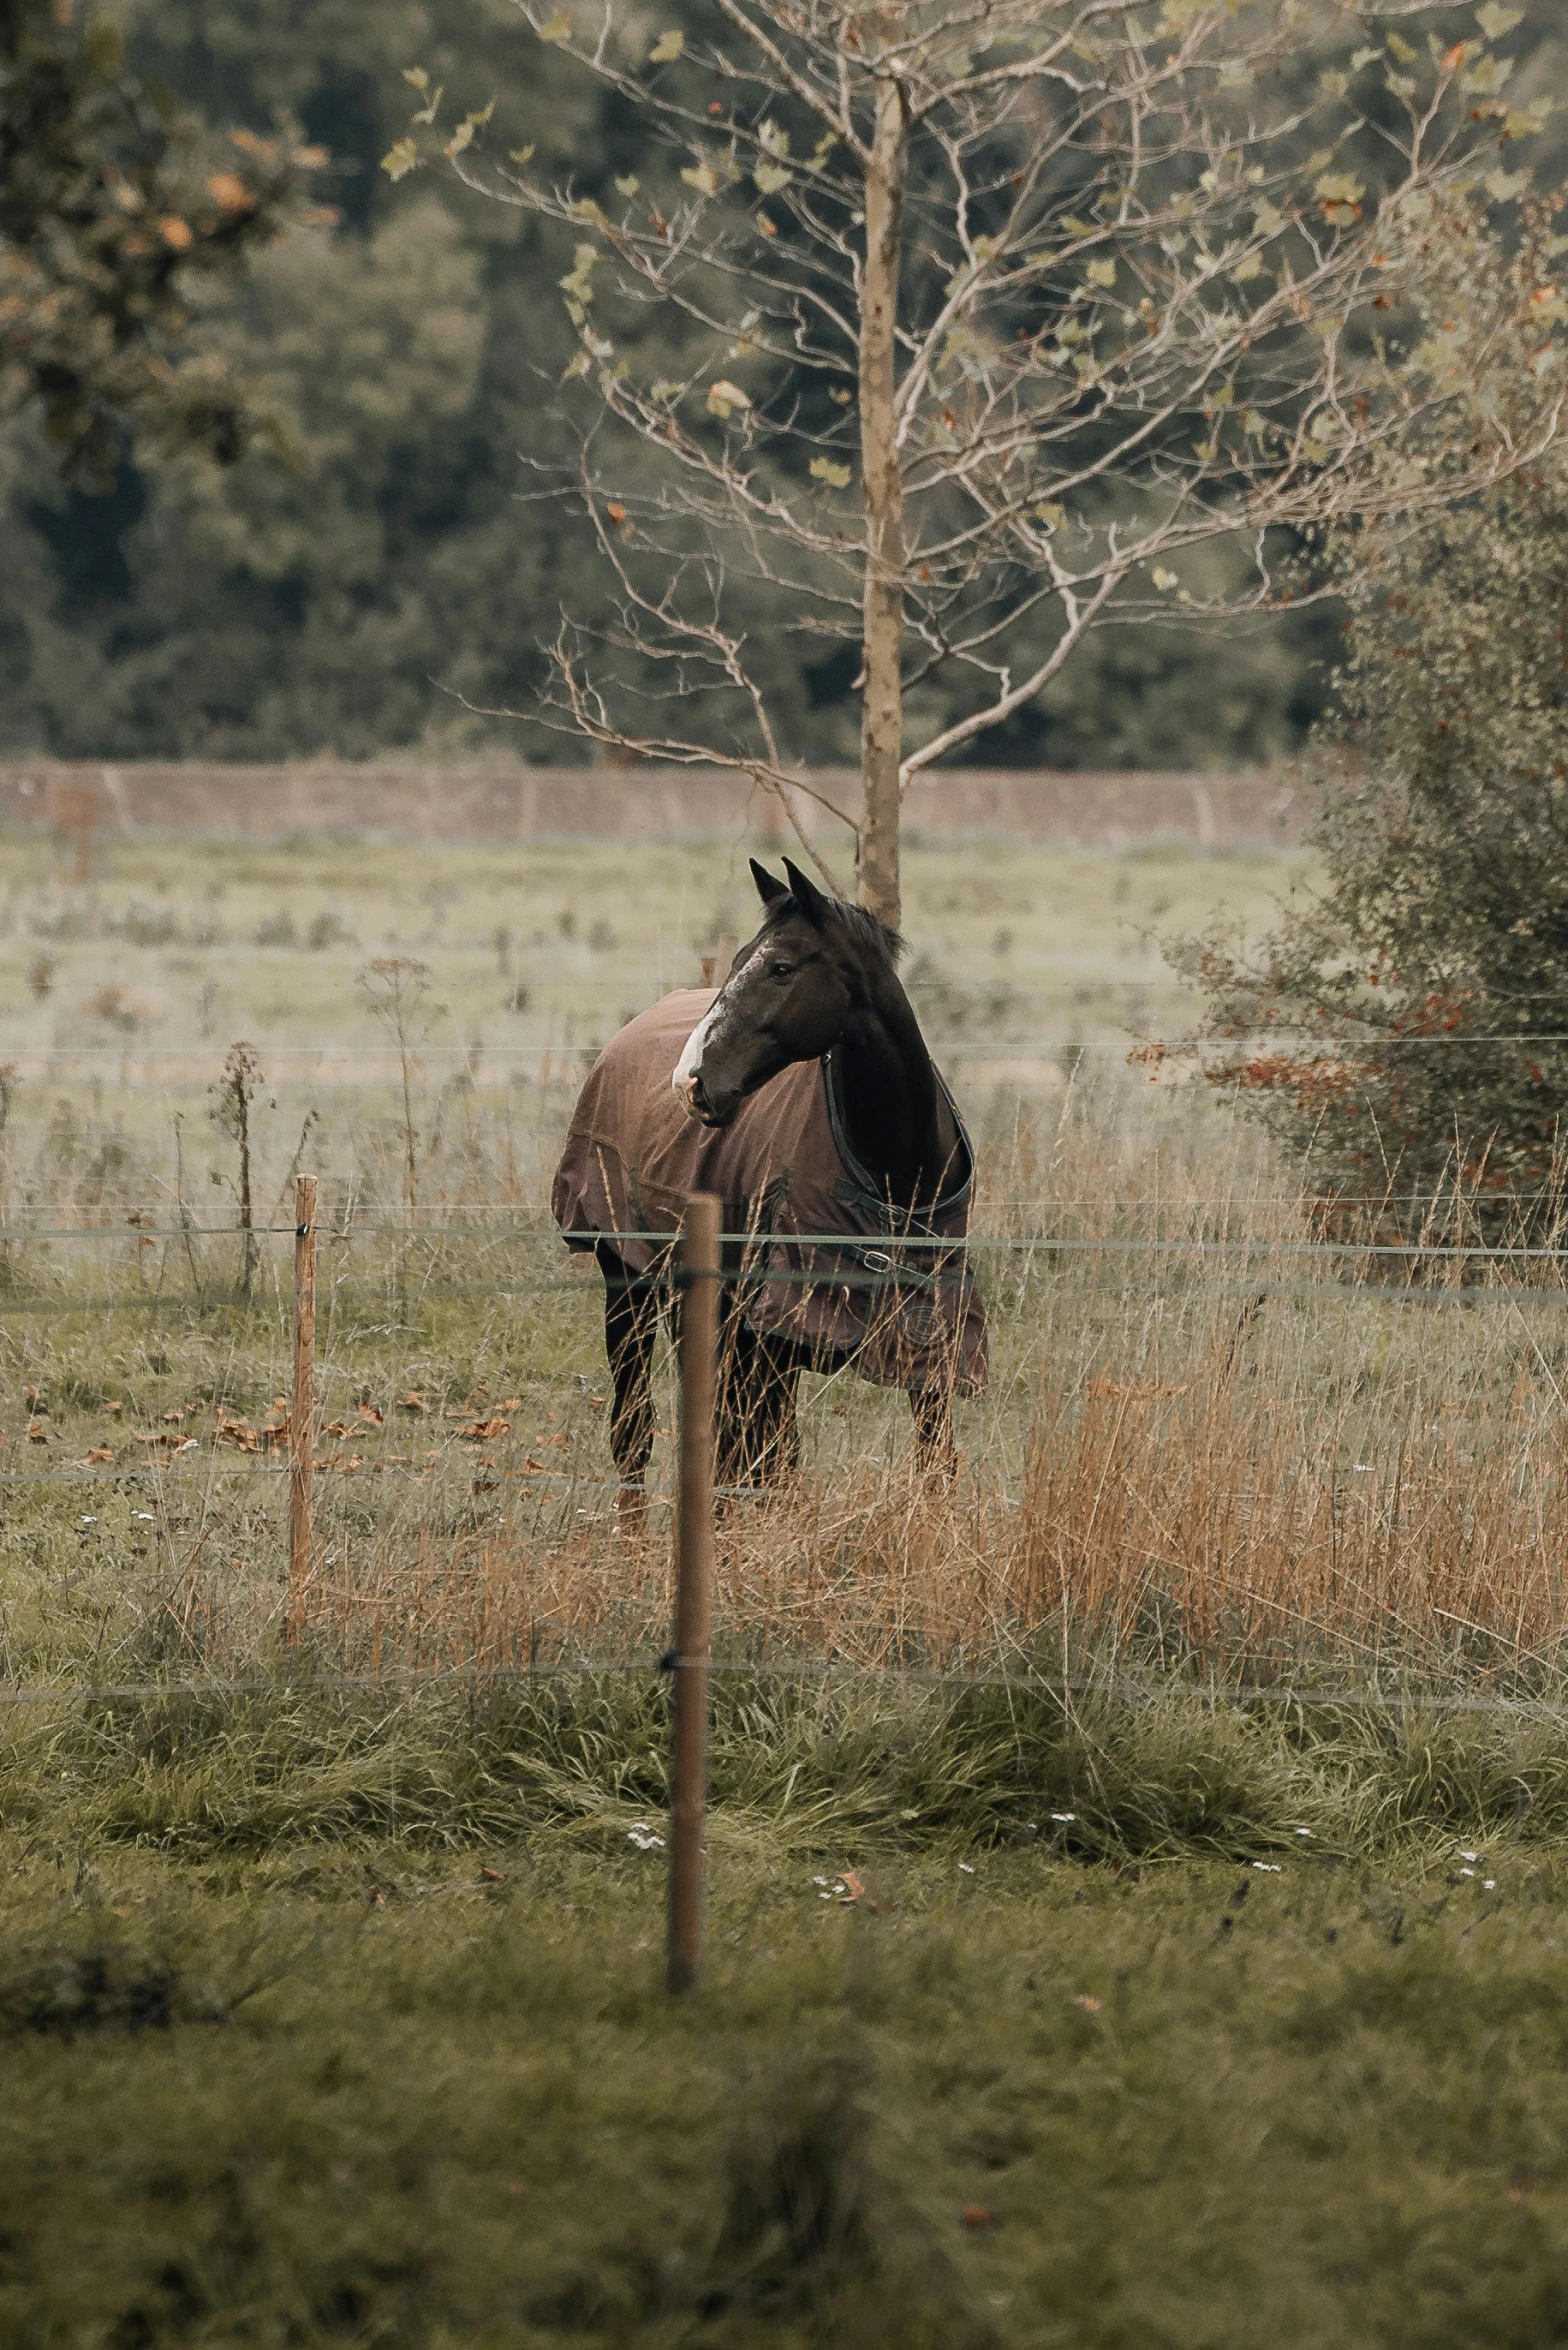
{"type": "Point", "coordinates": [1139, 1878]}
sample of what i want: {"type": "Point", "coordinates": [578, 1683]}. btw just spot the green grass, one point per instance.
{"type": "Point", "coordinates": [334, 2015]}
{"type": "Point", "coordinates": [357, 2092]}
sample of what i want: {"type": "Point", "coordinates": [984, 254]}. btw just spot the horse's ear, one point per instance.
{"type": "Point", "coordinates": [768, 889]}
{"type": "Point", "coordinates": [811, 901]}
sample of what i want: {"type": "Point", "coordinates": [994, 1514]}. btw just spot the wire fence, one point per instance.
{"type": "Point", "coordinates": [1066, 1690]}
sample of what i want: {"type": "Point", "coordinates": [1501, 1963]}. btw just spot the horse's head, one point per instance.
{"type": "Point", "coordinates": [788, 995]}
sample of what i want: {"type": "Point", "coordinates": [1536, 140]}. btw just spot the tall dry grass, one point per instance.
{"type": "Point", "coordinates": [1202, 1454]}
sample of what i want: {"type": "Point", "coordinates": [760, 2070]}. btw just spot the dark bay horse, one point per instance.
{"type": "Point", "coordinates": [803, 1095]}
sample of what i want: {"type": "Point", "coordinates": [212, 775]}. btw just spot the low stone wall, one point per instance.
{"type": "Point", "coordinates": [495, 803]}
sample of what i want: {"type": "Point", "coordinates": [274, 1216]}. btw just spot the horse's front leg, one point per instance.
{"type": "Point", "coordinates": [936, 1453]}
{"type": "Point", "coordinates": [631, 1325]}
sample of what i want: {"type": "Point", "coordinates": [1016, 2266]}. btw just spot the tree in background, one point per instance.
{"type": "Point", "coordinates": [113, 212]}
{"type": "Point", "coordinates": [983, 329]}
{"type": "Point", "coordinates": [248, 612]}
{"type": "Point", "coordinates": [1404, 1029]}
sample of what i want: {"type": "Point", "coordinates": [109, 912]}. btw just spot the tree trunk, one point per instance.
{"type": "Point", "coordinates": [882, 711]}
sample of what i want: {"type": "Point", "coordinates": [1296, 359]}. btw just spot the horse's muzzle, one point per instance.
{"type": "Point", "coordinates": [698, 1105]}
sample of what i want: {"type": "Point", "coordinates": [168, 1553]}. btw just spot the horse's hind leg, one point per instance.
{"type": "Point", "coordinates": [758, 1439]}
{"type": "Point", "coordinates": [631, 1324]}
{"type": "Point", "coordinates": [936, 1453]}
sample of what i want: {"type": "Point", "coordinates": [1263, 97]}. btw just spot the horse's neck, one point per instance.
{"type": "Point", "coordinates": [897, 1118]}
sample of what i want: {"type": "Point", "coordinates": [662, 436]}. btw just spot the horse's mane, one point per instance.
{"type": "Point", "coordinates": [862, 925]}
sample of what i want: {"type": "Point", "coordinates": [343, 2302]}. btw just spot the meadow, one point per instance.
{"type": "Point", "coordinates": [1138, 1876]}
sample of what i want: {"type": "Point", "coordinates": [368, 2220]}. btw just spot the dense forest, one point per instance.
{"type": "Point", "coordinates": [392, 573]}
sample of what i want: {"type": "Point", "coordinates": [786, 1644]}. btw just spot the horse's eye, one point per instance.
{"type": "Point", "coordinates": [782, 971]}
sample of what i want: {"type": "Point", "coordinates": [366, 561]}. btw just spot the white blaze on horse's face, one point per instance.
{"type": "Point", "coordinates": [691, 1053]}
{"type": "Point", "coordinates": [684, 1076]}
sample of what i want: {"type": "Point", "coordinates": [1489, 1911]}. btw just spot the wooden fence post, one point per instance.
{"type": "Point", "coordinates": [699, 1360]}
{"type": "Point", "coordinates": [302, 1405]}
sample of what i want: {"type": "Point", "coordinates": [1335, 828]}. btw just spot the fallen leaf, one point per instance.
{"type": "Point", "coordinates": [368, 1413]}
{"type": "Point", "coordinates": [1087, 2001]}
{"type": "Point", "coordinates": [511, 1403]}
{"type": "Point", "coordinates": [559, 1439]}
{"type": "Point", "coordinates": [853, 1889]}
{"type": "Point", "coordinates": [38, 1434]}
{"type": "Point", "coordinates": [114, 1407]}
{"type": "Point", "coordinates": [335, 1428]}
{"type": "Point", "coordinates": [414, 1402]}
{"type": "Point", "coordinates": [977, 2217]}
{"type": "Point", "coordinates": [100, 1453]}
{"type": "Point", "coordinates": [482, 1431]}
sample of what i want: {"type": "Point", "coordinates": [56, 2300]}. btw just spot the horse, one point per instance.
{"type": "Point", "coordinates": [802, 1094]}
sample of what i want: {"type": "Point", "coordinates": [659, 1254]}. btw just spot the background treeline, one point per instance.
{"type": "Point", "coordinates": [411, 556]}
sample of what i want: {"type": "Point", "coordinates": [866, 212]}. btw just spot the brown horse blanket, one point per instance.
{"type": "Point", "coordinates": [910, 1315]}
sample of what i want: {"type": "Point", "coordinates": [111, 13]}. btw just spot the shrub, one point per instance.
{"type": "Point", "coordinates": [1405, 1026]}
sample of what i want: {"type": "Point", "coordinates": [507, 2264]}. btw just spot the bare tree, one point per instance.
{"type": "Point", "coordinates": [994, 320]}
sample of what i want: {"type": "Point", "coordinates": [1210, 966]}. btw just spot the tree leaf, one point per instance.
{"type": "Point", "coordinates": [400, 159]}
{"type": "Point", "coordinates": [667, 47]}
{"type": "Point", "coordinates": [1495, 20]}
{"type": "Point", "coordinates": [702, 177]}
{"type": "Point", "coordinates": [837, 477]}
{"type": "Point", "coordinates": [724, 397]}
{"type": "Point", "coordinates": [628, 186]}
{"type": "Point", "coordinates": [1102, 273]}
{"type": "Point", "coordinates": [1164, 580]}
{"type": "Point", "coordinates": [229, 190]}
{"type": "Point", "coordinates": [557, 27]}
{"type": "Point", "coordinates": [770, 177]}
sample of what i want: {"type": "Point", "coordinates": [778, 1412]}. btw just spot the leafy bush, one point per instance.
{"type": "Point", "coordinates": [1405, 1027]}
